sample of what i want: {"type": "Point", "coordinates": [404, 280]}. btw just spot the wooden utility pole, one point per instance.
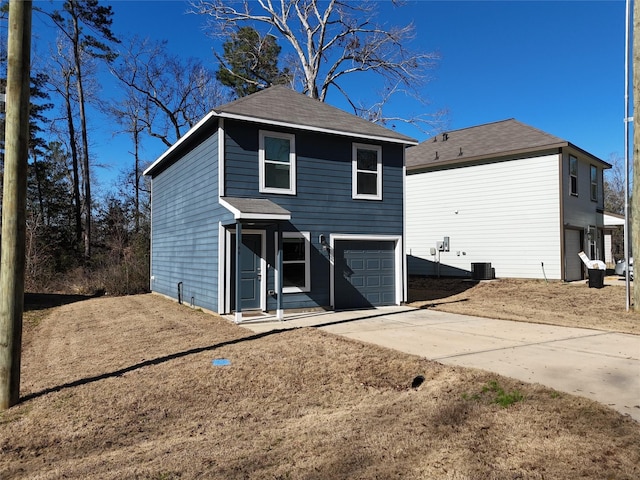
{"type": "Point", "coordinates": [635, 191]}
{"type": "Point", "coordinates": [14, 200]}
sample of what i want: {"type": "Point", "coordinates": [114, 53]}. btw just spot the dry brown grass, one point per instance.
{"type": "Point", "coordinates": [555, 303]}
{"type": "Point", "coordinates": [125, 388]}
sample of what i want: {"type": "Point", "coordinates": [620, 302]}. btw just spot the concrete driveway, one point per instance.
{"type": "Point", "coordinates": [599, 365]}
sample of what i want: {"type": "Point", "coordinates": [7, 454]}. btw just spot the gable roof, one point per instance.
{"type": "Point", "coordinates": [283, 107]}
{"type": "Point", "coordinates": [492, 140]}
{"type": "Point", "coordinates": [279, 105]}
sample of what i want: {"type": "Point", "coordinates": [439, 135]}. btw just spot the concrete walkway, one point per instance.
{"type": "Point", "coordinates": [599, 365]}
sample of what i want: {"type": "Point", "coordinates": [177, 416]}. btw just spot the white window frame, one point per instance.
{"type": "Point", "coordinates": [572, 176]}
{"type": "Point", "coordinates": [292, 163]}
{"type": "Point", "coordinates": [307, 261]}
{"type": "Point", "coordinates": [594, 183]}
{"type": "Point", "coordinates": [355, 171]}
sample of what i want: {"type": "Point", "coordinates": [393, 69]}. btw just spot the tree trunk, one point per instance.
{"type": "Point", "coordinates": [74, 163]}
{"type": "Point", "coordinates": [86, 176]}
{"type": "Point", "coordinates": [136, 173]}
{"type": "Point", "coordinates": [38, 176]}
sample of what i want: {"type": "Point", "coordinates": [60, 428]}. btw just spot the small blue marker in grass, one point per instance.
{"type": "Point", "coordinates": [220, 362]}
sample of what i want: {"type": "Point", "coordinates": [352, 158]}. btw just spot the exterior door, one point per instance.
{"type": "Point", "coordinates": [572, 246]}
{"type": "Point", "coordinates": [364, 273]}
{"type": "Point", "coordinates": [250, 271]}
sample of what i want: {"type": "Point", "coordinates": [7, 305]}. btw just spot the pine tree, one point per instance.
{"type": "Point", "coordinates": [250, 62]}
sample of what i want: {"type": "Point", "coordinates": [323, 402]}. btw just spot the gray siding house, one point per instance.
{"type": "Point", "coordinates": [278, 201]}
{"type": "Point", "coordinates": [505, 194]}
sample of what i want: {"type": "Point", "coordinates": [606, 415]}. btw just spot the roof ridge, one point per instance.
{"type": "Point", "coordinates": [540, 130]}
{"type": "Point", "coordinates": [280, 104]}
{"type": "Point", "coordinates": [507, 120]}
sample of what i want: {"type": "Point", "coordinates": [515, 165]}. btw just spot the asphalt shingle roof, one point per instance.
{"type": "Point", "coordinates": [279, 104]}
{"type": "Point", "coordinates": [260, 207]}
{"type": "Point", "coordinates": [507, 137]}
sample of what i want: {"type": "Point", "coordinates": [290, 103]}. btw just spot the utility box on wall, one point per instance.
{"type": "Point", "coordinates": [444, 245]}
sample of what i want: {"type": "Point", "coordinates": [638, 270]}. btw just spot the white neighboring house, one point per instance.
{"type": "Point", "coordinates": [507, 194]}
{"type": "Point", "coordinates": [612, 250]}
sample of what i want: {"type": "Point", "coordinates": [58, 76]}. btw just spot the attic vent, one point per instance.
{"type": "Point", "coordinates": [445, 137]}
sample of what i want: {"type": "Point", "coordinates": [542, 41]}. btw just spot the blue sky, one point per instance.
{"type": "Point", "coordinates": [555, 65]}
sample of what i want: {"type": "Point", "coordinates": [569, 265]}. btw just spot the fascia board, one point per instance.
{"type": "Point", "coordinates": [180, 141]}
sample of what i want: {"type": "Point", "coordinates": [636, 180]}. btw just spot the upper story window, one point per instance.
{"type": "Point", "coordinates": [367, 172]}
{"type": "Point", "coordinates": [594, 183]}
{"type": "Point", "coordinates": [573, 175]}
{"type": "Point", "coordinates": [277, 163]}
{"type": "Point", "coordinates": [296, 262]}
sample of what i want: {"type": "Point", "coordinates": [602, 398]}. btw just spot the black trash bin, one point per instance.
{"type": "Point", "coordinates": [596, 278]}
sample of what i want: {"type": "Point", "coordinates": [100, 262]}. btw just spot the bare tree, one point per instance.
{"type": "Point", "coordinates": [167, 94]}
{"type": "Point", "coordinates": [614, 201]}
{"type": "Point", "coordinates": [614, 180]}
{"type": "Point", "coordinates": [80, 22]}
{"type": "Point", "coordinates": [330, 41]}
{"type": "Point", "coordinates": [129, 113]}
{"type": "Point", "coordinates": [61, 82]}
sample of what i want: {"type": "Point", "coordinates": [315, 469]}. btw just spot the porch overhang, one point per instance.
{"type": "Point", "coordinates": [254, 209]}
{"type": "Point", "coordinates": [254, 212]}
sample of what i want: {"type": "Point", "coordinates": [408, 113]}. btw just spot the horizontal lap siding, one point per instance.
{"type": "Point", "coordinates": [508, 213]}
{"type": "Point", "coordinates": [580, 210]}
{"type": "Point", "coordinates": [185, 227]}
{"type": "Point", "coordinates": [323, 203]}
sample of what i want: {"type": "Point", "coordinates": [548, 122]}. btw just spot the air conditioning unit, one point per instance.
{"type": "Point", "coordinates": [481, 271]}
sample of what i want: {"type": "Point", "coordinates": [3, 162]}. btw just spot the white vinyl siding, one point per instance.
{"type": "Point", "coordinates": [506, 213]}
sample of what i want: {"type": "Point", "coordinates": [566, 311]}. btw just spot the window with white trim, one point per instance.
{"type": "Point", "coordinates": [296, 262]}
{"type": "Point", "coordinates": [367, 171]}
{"type": "Point", "coordinates": [277, 156]}
{"type": "Point", "coordinates": [594, 183]}
{"type": "Point", "coordinates": [573, 175]}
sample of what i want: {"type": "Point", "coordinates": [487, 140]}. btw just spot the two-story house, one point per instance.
{"type": "Point", "coordinates": [278, 201]}
{"type": "Point", "coordinates": [505, 194]}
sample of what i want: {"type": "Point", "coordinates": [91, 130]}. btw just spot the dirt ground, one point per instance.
{"type": "Point", "coordinates": [127, 388]}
